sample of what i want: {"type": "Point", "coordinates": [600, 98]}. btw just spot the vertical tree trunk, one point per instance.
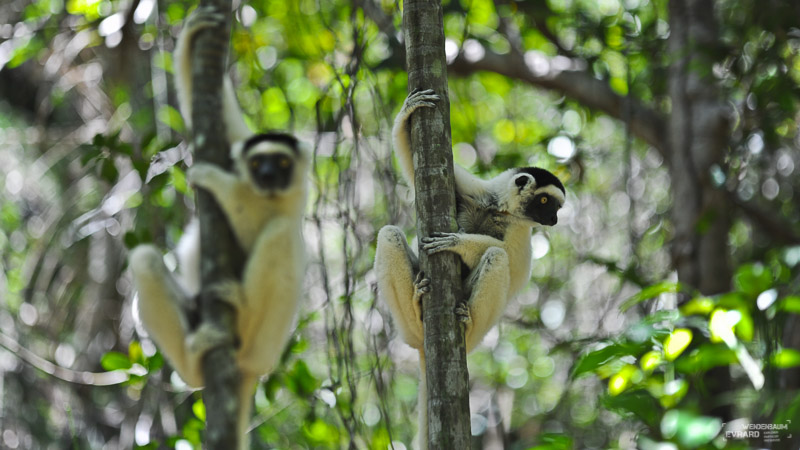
{"type": "Point", "coordinates": [445, 352]}
{"type": "Point", "coordinates": [221, 256]}
{"type": "Point", "coordinates": [699, 132]}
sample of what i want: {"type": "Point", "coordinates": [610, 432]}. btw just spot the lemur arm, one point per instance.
{"type": "Point", "coordinates": [470, 247]}
{"type": "Point", "coordinates": [237, 130]}
{"type": "Point", "coordinates": [400, 131]}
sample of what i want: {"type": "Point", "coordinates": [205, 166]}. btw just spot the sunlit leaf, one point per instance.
{"type": "Point", "coordinates": [676, 343]}
{"type": "Point", "coordinates": [115, 361]}
{"type": "Point", "coordinates": [135, 353]}
{"type": "Point", "coordinates": [790, 304]}
{"type": "Point", "coordinates": [320, 432]}
{"type": "Point", "coordinates": [649, 361]}
{"type": "Point", "coordinates": [623, 379]}
{"type": "Point", "coordinates": [721, 326]}
{"type": "Point", "coordinates": [673, 392]}
{"type": "Point", "coordinates": [199, 409]}
{"type": "Point", "coordinates": [698, 305]}
{"type": "Point", "coordinates": [786, 358]}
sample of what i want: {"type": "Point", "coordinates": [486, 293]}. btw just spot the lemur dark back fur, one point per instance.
{"type": "Point", "coordinates": [543, 177]}
{"type": "Point", "coordinates": [281, 138]}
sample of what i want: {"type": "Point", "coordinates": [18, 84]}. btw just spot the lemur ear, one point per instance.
{"type": "Point", "coordinates": [522, 181]}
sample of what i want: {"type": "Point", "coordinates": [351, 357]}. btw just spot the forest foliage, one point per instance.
{"type": "Point", "coordinates": [605, 348]}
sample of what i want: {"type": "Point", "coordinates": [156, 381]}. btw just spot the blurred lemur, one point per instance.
{"type": "Point", "coordinates": [264, 200]}
{"type": "Point", "coordinates": [495, 218]}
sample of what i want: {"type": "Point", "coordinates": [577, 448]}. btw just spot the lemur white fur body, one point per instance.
{"type": "Point", "coordinates": [495, 219]}
{"type": "Point", "coordinates": [264, 204]}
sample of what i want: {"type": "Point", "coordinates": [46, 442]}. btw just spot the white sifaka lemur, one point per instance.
{"type": "Point", "coordinates": [495, 218]}
{"type": "Point", "coordinates": [264, 201]}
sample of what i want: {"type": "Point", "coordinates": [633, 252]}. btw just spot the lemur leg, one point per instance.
{"type": "Point", "coordinates": [272, 283]}
{"type": "Point", "coordinates": [488, 283]}
{"type": "Point", "coordinates": [395, 268]}
{"type": "Point", "coordinates": [162, 304]}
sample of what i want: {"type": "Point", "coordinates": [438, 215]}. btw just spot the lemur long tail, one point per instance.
{"type": "Point", "coordinates": [422, 404]}
{"type": "Point", "coordinates": [246, 389]}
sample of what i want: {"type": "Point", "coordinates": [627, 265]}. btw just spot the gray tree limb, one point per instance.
{"type": "Point", "coordinates": [221, 256]}
{"type": "Point", "coordinates": [645, 123]}
{"type": "Point", "coordinates": [444, 349]}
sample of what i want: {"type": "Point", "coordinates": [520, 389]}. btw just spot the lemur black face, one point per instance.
{"type": "Point", "coordinates": [543, 208]}
{"type": "Point", "coordinates": [548, 196]}
{"type": "Point", "coordinates": [270, 171]}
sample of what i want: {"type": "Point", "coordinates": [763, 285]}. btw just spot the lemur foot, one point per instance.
{"type": "Point", "coordinates": [422, 286]}
{"type": "Point", "coordinates": [204, 17]}
{"type": "Point", "coordinates": [462, 313]}
{"type": "Point", "coordinates": [438, 242]}
{"type": "Point", "coordinates": [206, 338]}
{"type": "Point", "coordinates": [419, 99]}
{"type": "Point", "coordinates": [229, 291]}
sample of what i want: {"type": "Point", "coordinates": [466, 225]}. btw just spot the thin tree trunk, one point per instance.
{"type": "Point", "coordinates": [699, 133]}
{"type": "Point", "coordinates": [444, 350]}
{"type": "Point", "coordinates": [221, 256]}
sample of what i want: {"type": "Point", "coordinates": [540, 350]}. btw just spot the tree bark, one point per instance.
{"type": "Point", "coordinates": [698, 137]}
{"type": "Point", "coordinates": [444, 349]}
{"type": "Point", "coordinates": [221, 256]}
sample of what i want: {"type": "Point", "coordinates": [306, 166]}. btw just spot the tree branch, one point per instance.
{"type": "Point", "coordinates": [221, 256]}
{"type": "Point", "coordinates": [646, 123]}
{"type": "Point", "coordinates": [579, 85]}
{"type": "Point", "coordinates": [447, 380]}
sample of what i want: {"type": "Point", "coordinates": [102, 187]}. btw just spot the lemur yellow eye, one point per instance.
{"type": "Point", "coordinates": [253, 163]}
{"type": "Point", "coordinates": [544, 200]}
{"type": "Point", "coordinates": [285, 163]}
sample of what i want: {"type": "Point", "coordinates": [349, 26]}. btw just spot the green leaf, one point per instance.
{"type": "Point", "coordinates": [300, 381]}
{"type": "Point", "coordinates": [272, 385]}
{"type": "Point", "coordinates": [650, 360]}
{"type": "Point", "coordinates": [553, 441]}
{"type": "Point", "coordinates": [171, 117]}
{"type": "Point", "coordinates": [752, 279]}
{"type": "Point", "coordinates": [786, 358]}
{"type": "Point", "coordinates": [135, 353]}
{"type": "Point", "coordinates": [589, 362]}
{"type": "Point", "coordinates": [691, 430]}
{"type": "Point", "coordinates": [638, 403]}
{"type": "Point", "coordinates": [790, 304]}
{"type": "Point", "coordinates": [623, 379]}
{"type": "Point", "coordinates": [706, 357]}
{"type": "Point", "coordinates": [199, 409]}
{"type": "Point", "coordinates": [664, 287]}
{"type": "Point", "coordinates": [320, 432]}
{"type": "Point", "coordinates": [115, 361]}
{"type": "Point", "coordinates": [108, 170]}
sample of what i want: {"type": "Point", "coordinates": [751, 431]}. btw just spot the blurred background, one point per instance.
{"type": "Point", "coordinates": [662, 311]}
